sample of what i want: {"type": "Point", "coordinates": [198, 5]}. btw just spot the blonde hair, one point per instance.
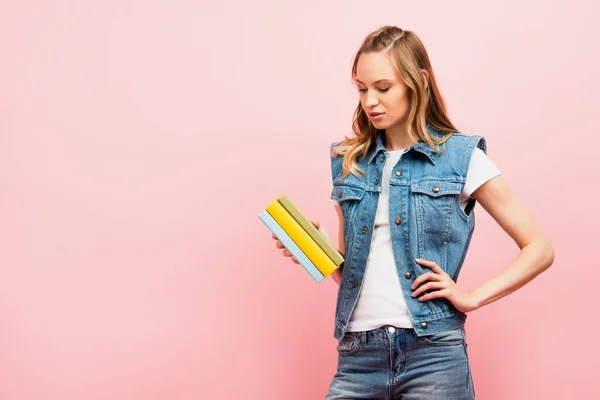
{"type": "Point", "coordinates": [426, 103]}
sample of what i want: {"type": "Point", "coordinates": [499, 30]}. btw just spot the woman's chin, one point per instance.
{"type": "Point", "coordinates": [379, 124]}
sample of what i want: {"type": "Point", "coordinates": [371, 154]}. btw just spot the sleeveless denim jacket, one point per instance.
{"type": "Point", "coordinates": [426, 221]}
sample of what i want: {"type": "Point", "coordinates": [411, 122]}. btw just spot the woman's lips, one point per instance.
{"type": "Point", "coordinates": [376, 115]}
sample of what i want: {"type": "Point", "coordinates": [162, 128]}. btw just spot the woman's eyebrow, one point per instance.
{"type": "Point", "coordinates": [377, 81]}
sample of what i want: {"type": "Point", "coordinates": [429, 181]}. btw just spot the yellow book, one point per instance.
{"type": "Point", "coordinates": [305, 223]}
{"type": "Point", "coordinates": [312, 250]}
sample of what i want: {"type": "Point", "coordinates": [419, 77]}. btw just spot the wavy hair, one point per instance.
{"type": "Point", "coordinates": [427, 106]}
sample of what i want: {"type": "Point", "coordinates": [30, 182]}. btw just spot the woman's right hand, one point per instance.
{"type": "Point", "coordinates": [286, 252]}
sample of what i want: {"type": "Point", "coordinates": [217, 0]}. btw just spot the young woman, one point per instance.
{"type": "Point", "coordinates": [405, 186]}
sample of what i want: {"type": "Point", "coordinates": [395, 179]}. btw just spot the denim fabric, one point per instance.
{"type": "Point", "coordinates": [426, 221]}
{"type": "Point", "coordinates": [396, 363]}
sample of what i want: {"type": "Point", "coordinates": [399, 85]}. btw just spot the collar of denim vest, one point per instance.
{"type": "Point", "coordinates": [420, 146]}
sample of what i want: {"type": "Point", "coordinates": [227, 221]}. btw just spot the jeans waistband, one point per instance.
{"type": "Point", "coordinates": [385, 331]}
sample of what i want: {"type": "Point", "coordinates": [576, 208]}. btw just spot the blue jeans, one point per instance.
{"type": "Point", "coordinates": [395, 363]}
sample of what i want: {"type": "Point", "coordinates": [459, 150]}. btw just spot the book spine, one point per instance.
{"type": "Point", "coordinates": [314, 233]}
{"type": "Point", "coordinates": [301, 238]}
{"type": "Point", "coordinates": [289, 244]}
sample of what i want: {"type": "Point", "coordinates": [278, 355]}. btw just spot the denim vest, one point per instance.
{"type": "Point", "coordinates": [426, 221]}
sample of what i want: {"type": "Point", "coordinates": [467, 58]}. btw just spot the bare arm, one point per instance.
{"type": "Point", "coordinates": [536, 253]}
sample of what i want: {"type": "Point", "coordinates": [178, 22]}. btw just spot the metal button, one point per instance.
{"type": "Point", "coordinates": [407, 275]}
{"type": "Point", "coordinates": [377, 181]}
{"type": "Point", "coordinates": [424, 325]}
{"type": "Point", "coordinates": [391, 329]}
{"type": "Point", "coordinates": [339, 331]}
{"type": "Point", "coordinates": [355, 283]}
{"type": "Point", "coordinates": [382, 159]}
{"type": "Point", "coordinates": [365, 230]}
{"type": "Point", "coordinates": [398, 173]}
{"type": "Point", "coordinates": [340, 195]}
{"type": "Point", "coordinates": [398, 221]}
{"type": "Point", "coordinates": [436, 189]}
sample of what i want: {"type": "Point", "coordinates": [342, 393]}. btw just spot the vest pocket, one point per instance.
{"type": "Point", "coordinates": [434, 202]}
{"type": "Point", "coordinates": [343, 191]}
{"type": "Point", "coordinates": [436, 188]}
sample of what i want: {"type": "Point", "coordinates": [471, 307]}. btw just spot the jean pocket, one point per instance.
{"type": "Point", "coordinates": [453, 337]}
{"type": "Point", "coordinates": [348, 345]}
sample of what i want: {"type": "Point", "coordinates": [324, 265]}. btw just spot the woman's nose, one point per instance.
{"type": "Point", "coordinates": [371, 100]}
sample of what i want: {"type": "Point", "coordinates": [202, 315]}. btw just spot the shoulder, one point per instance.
{"type": "Point", "coordinates": [336, 160]}
{"type": "Point", "coordinates": [458, 151]}
{"type": "Point", "coordinates": [334, 145]}
{"type": "Point", "coordinates": [467, 143]}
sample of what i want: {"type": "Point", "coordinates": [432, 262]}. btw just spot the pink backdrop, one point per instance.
{"type": "Point", "coordinates": [140, 139]}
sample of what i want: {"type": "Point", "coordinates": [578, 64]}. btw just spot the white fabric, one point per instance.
{"type": "Point", "coordinates": [381, 301]}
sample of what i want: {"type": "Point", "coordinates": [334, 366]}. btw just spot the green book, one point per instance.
{"type": "Point", "coordinates": [313, 232]}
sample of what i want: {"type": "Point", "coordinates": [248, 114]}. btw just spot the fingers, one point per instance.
{"type": "Point", "coordinates": [435, 295]}
{"type": "Point", "coordinates": [428, 276]}
{"type": "Point", "coordinates": [430, 264]}
{"type": "Point", "coordinates": [288, 254]}
{"type": "Point", "coordinates": [279, 245]}
{"type": "Point", "coordinates": [428, 286]}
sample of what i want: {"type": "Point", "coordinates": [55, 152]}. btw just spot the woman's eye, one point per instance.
{"type": "Point", "coordinates": [382, 90]}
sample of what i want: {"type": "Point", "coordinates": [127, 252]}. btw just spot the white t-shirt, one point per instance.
{"type": "Point", "coordinates": [381, 301]}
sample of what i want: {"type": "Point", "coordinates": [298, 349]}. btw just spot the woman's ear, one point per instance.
{"type": "Point", "coordinates": [425, 78]}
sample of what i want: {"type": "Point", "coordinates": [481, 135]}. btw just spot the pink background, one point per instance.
{"type": "Point", "coordinates": [140, 139]}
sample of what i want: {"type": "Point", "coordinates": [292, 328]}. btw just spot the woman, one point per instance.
{"type": "Point", "coordinates": [404, 187]}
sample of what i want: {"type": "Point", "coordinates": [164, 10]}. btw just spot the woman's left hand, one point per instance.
{"type": "Point", "coordinates": [447, 288]}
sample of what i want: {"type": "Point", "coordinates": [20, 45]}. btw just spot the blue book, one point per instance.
{"type": "Point", "coordinates": [290, 245]}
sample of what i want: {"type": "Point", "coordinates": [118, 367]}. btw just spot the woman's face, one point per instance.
{"type": "Point", "coordinates": [383, 95]}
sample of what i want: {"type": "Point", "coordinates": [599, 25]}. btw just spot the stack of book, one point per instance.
{"type": "Point", "coordinates": [300, 237]}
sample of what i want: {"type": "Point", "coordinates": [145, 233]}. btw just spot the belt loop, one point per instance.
{"type": "Point", "coordinates": [363, 338]}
